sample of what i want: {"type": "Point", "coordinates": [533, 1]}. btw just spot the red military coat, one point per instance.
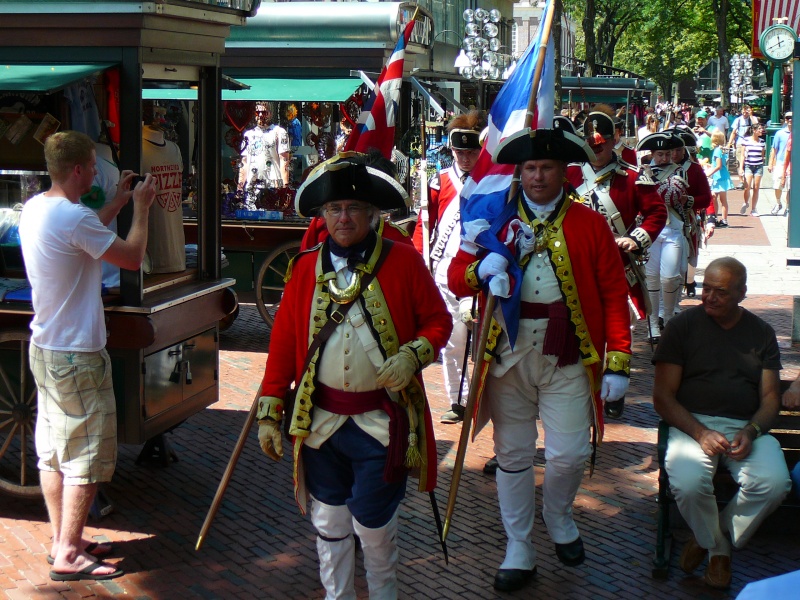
{"type": "Point", "coordinates": [403, 301]}
{"type": "Point", "coordinates": [594, 289]}
{"type": "Point", "coordinates": [631, 199]}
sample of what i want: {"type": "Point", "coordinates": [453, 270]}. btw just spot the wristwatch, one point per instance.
{"type": "Point", "coordinates": [756, 427]}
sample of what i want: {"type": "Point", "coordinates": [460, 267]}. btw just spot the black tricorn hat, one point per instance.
{"type": "Point", "coordinates": [663, 140]}
{"type": "Point", "coordinates": [562, 122]}
{"type": "Point", "coordinates": [598, 123]}
{"type": "Point", "coordinates": [347, 176]}
{"type": "Point", "coordinates": [542, 144]}
{"type": "Point", "coordinates": [465, 139]}
{"type": "Point", "coordinates": [686, 135]}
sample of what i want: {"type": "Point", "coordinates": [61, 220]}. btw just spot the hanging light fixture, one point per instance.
{"type": "Point", "coordinates": [462, 60]}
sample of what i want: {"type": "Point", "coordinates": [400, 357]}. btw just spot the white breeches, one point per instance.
{"type": "Point", "coordinates": [453, 352]}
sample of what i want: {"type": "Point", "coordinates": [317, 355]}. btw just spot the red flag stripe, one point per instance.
{"type": "Point", "coordinates": [764, 11]}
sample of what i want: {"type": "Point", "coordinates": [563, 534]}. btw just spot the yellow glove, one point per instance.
{"type": "Point", "coordinates": [396, 373]}
{"type": "Point", "coordinates": [270, 439]}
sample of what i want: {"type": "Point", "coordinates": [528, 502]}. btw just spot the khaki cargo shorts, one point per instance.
{"type": "Point", "coordinates": [76, 426]}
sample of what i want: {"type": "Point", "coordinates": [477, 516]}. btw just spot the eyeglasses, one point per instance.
{"type": "Point", "coordinates": [354, 210]}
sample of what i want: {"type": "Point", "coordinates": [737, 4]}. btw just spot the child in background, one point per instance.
{"type": "Point", "coordinates": [721, 180]}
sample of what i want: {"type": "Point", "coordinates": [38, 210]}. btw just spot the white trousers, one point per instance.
{"type": "Point", "coordinates": [535, 388]}
{"type": "Point", "coordinates": [763, 477]}
{"type": "Point", "coordinates": [665, 271]}
{"type": "Point", "coordinates": [335, 526]}
{"type": "Point", "coordinates": [453, 352]}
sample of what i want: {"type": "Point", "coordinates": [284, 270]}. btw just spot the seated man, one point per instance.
{"type": "Point", "coordinates": [717, 385]}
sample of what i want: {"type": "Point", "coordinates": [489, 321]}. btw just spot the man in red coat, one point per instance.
{"type": "Point", "coordinates": [444, 227]}
{"type": "Point", "coordinates": [632, 208]}
{"type": "Point", "coordinates": [700, 196]}
{"type": "Point", "coordinates": [360, 318]}
{"type": "Point", "coordinates": [562, 340]}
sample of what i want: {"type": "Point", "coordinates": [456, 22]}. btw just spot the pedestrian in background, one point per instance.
{"type": "Point", "coordinates": [720, 177]}
{"type": "Point", "coordinates": [753, 149]}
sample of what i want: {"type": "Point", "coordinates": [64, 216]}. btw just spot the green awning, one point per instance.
{"type": "Point", "coordinates": [301, 90]}
{"type": "Point", "coordinates": [45, 78]}
{"type": "Point", "coordinates": [282, 90]}
{"type": "Point", "coordinates": [169, 94]}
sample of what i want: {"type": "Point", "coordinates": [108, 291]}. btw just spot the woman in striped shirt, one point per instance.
{"type": "Point", "coordinates": [754, 151]}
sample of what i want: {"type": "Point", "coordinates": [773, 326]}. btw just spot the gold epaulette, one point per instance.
{"type": "Point", "coordinates": [289, 267]}
{"type": "Point", "coordinates": [384, 223]}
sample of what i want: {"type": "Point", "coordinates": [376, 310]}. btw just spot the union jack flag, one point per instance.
{"type": "Point", "coordinates": [485, 193]}
{"type": "Point", "coordinates": [376, 124]}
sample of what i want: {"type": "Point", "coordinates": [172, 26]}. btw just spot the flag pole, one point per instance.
{"type": "Point", "coordinates": [424, 201]}
{"type": "Point", "coordinates": [481, 366]}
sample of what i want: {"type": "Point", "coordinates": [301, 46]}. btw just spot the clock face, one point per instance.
{"type": "Point", "coordinates": [777, 43]}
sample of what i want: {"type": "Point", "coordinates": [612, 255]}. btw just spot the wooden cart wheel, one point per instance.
{"type": "Point", "coordinates": [19, 475]}
{"type": "Point", "coordinates": [269, 283]}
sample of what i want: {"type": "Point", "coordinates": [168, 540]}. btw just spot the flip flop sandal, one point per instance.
{"type": "Point", "coordinates": [95, 549]}
{"type": "Point", "coordinates": [87, 573]}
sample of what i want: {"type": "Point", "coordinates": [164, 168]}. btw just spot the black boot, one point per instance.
{"type": "Point", "coordinates": [614, 409]}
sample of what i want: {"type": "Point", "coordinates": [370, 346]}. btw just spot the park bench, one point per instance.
{"type": "Point", "coordinates": [786, 429]}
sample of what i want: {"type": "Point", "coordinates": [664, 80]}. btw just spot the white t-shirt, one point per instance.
{"type": "Point", "coordinates": [61, 244]}
{"type": "Point", "coordinates": [715, 122]}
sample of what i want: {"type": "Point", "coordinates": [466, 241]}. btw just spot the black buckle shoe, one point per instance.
{"type": "Point", "coordinates": [571, 554]}
{"type": "Point", "coordinates": [490, 468]}
{"type": "Point", "coordinates": [691, 290]}
{"type": "Point", "coordinates": [510, 580]}
{"type": "Point", "coordinates": [614, 409]}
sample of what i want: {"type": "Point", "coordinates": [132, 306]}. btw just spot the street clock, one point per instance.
{"type": "Point", "coordinates": [777, 43]}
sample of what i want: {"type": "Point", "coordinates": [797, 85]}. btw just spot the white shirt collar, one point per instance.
{"type": "Point", "coordinates": [542, 211]}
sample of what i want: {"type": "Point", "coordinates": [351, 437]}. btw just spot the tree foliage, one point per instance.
{"type": "Point", "coordinates": [663, 40]}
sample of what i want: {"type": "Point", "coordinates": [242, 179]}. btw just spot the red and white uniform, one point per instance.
{"type": "Point", "coordinates": [404, 305]}
{"type": "Point", "coordinates": [445, 236]}
{"type": "Point", "coordinates": [700, 199]}
{"type": "Point", "coordinates": [575, 273]}
{"type": "Point", "coordinates": [626, 153]}
{"type": "Point", "coordinates": [617, 192]}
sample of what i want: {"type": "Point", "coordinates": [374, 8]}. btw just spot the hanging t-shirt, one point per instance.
{"type": "Point", "coordinates": [83, 113]}
{"type": "Point", "coordinates": [165, 238]}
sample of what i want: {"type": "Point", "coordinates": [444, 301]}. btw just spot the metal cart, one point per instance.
{"type": "Point", "coordinates": [163, 329]}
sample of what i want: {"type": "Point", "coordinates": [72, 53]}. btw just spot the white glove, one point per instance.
{"type": "Point", "coordinates": [465, 310]}
{"type": "Point", "coordinates": [270, 439]}
{"type": "Point", "coordinates": [613, 387]}
{"type": "Point", "coordinates": [396, 373]}
{"type": "Point", "coordinates": [492, 264]}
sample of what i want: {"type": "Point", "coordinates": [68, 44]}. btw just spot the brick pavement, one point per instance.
{"type": "Point", "coordinates": [260, 547]}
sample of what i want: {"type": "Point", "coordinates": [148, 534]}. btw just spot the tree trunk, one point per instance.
{"type": "Point", "coordinates": [589, 37]}
{"type": "Point", "coordinates": [721, 20]}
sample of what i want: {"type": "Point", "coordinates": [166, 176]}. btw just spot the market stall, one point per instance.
{"type": "Point", "coordinates": [85, 66]}
{"type": "Point", "coordinates": [310, 64]}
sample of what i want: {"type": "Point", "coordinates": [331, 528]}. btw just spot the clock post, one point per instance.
{"type": "Point", "coordinates": [777, 45]}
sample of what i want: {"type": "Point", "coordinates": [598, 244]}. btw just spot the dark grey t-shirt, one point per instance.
{"type": "Point", "coordinates": [721, 368]}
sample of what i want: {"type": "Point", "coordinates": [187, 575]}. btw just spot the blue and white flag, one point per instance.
{"type": "Point", "coordinates": [485, 193]}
